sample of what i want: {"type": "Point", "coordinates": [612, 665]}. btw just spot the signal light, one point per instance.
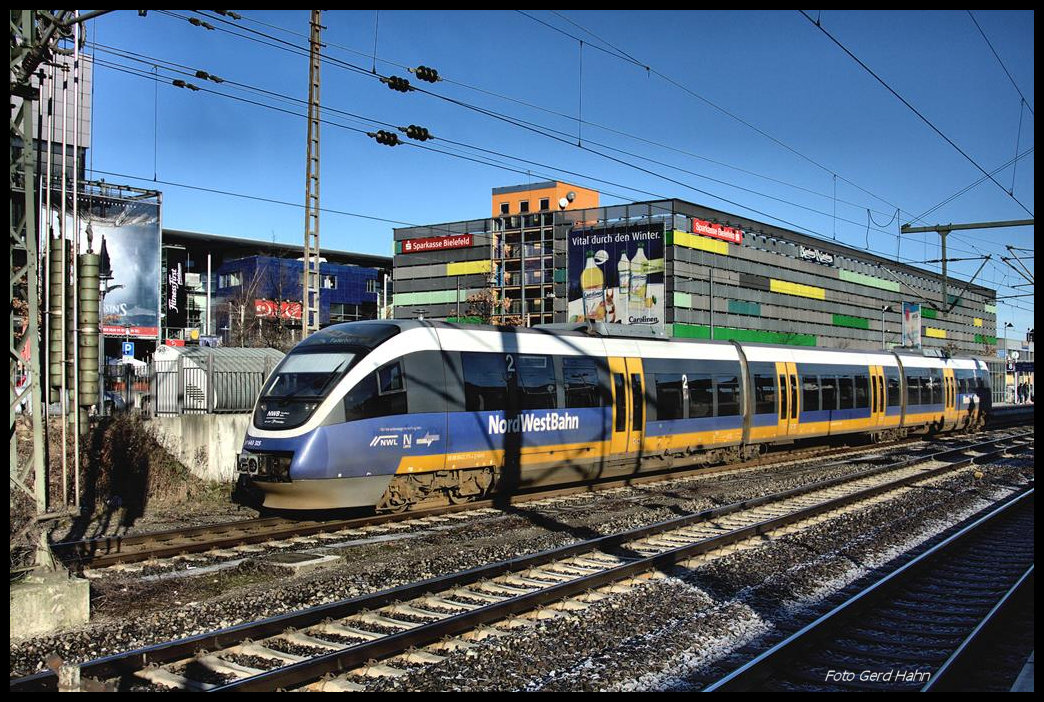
{"type": "Point", "coordinates": [418, 133]}
{"type": "Point", "coordinates": [386, 138]}
{"type": "Point", "coordinates": [397, 83]}
{"type": "Point", "coordinates": [428, 74]}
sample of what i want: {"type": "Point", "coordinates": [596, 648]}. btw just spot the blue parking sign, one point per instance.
{"type": "Point", "coordinates": [128, 349]}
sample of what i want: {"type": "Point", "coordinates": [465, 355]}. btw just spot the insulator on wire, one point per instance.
{"type": "Point", "coordinates": [426, 74]}
{"type": "Point", "coordinates": [397, 83]}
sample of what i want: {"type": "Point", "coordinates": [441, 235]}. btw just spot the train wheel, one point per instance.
{"type": "Point", "coordinates": [397, 497]}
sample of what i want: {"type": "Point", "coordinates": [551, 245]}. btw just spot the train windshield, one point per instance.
{"type": "Point", "coordinates": [307, 375]}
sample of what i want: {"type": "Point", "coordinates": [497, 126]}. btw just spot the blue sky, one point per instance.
{"type": "Point", "coordinates": [757, 113]}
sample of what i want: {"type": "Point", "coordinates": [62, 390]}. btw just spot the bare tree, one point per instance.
{"type": "Point", "coordinates": [257, 321]}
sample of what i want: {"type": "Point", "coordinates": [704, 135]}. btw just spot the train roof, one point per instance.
{"type": "Point", "coordinates": [912, 357]}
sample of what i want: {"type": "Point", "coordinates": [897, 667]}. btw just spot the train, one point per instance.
{"type": "Point", "coordinates": [397, 414]}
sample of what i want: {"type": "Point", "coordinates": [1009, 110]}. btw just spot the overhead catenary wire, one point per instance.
{"type": "Point", "coordinates": [547, 132]}
{"type": "Point", "coordinates": [540, 129]}
{"type": "Point", "coordinates": [913, 109]}
{"type": "Point", "coordinates": [366, 121]}
{"type": "Point", "coordinates": [646, 170]}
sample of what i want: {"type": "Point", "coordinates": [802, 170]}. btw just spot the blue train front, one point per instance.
{"type": "Point", "coordinates": [379, 414]}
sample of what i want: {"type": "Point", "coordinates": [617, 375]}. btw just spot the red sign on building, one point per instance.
{"type": "Point", "coordinates": [437, 243]}
{"type": "Point", "coordinates": [718, 231]}
{"type": "Point", "coordinates": [135, 332]}
{"type": "Point", "coordinates": [270, 309]}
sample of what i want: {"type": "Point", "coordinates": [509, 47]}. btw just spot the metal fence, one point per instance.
{"type": "Point", "coordinates": [188, 384]}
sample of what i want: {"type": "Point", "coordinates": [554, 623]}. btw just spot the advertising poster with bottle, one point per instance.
{"type": "Point", "coordinates": [616, 274]}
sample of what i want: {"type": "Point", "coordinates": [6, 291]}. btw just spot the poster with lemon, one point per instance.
{"type": "Point", "coordinates": [616, 274]}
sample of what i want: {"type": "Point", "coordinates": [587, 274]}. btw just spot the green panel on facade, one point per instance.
{"type": "Point", "coordinates": [464, 320]}
{"type": "Point", "coordinates": [694, 331]}
{"type": "Point", "coordinates": [560, 275]}
{"type": "Point", "coordinates": [869, 280]}
{"type": "Point", "coordinates": [984, 339]}
{"type": "Point", "coordinates": [691, 331]}
{"type": "Point", "coordinates": [434, 297]}
{"type": "Point", "coordinates": [843, 320]}
{"type": "Point", "coordinates": [992, 309]}
{"type": "Point", "coordinates": [751, 309]}
{"type": "Point", "coordinates": [929, 313]}
{"type": "Point", "coordinates": [683, 300]}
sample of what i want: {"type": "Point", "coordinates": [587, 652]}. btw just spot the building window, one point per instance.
{"type": "Point", "coordinates": [230, 280]}
{"type": "Point", "coordinates": [329, 282]}
{"type": "Point", "coordinates": [545, 203]}
{"type": "Point", "coordinates": [505, 208]}
{"type": "Point", "coordinates": [371, 285]}
{"type": "Point", "coordinates": [523, 206]}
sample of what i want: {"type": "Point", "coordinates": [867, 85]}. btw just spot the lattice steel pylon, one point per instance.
{"type": "Point", "coordinates": [310, 282]}
{"type": "Point", "coordinates": [33, 35]}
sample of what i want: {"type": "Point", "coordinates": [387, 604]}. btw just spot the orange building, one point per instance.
{"type": "Point", "coordinates": [541, 197]}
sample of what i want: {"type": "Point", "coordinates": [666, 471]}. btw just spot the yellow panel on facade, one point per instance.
{"type": "Point", "coordinates": [935, 333]}
{"type": "Point", "coordinates": [695, 241]}
{"type": "Point", "coordinates": [977, 321]}
{"type": "Point", "coordinates": [467, 267]}
{"type": "Point", "coordinates": [782, 286]}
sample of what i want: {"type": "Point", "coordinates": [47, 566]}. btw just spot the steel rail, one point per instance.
{"type": "Point", "coordinates": [122, 664]}
{"type": "Point", "coordinates": [106, 551]}
{"type": "Point", "coordinates": [759, 668]}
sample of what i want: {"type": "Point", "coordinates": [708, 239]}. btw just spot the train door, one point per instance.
{"type": "Point", "coordinates": [620, 384]}
{"type": "Point", "coordinates": [628, 384]}
{"type": "Point", "coordinates": [636, 378]}
{"type": "Point", "coordinates": [949, 398]}
{"type": "Point", "coordinates": [786, 376]}
{"type": "Point", "coordinates": [877, 396]}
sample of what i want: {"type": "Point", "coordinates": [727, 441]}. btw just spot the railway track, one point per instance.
{"type": "Point", "coordinates": [914, 628]}
{"type": "Point", "coordinates": [341, 639]}
{"type": "Point", "coordinates": [236, 538]}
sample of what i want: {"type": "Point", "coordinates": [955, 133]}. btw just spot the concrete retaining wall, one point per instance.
{"type": "Point", "coordinates": [206, 444]}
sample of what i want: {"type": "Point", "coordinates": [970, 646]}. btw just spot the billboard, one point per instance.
{"type": "Point", "coordinates": [127, 233]}
{"type": "Point", "coordinates": [616, 274]}
{"type": "Point", "coordinates": [912, 325]}
{"type": "Point", "coordinates": [174, 281]}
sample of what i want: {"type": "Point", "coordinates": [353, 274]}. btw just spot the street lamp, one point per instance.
{"type": "Point", "coordinates": [1007, 326]}
{"type": "Point", "coordinates": [886, 308]}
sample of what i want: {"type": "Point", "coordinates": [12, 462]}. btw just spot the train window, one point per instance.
{"type": "Point", "coordinates": [359, 399]}
{"type": "Point", "coordinates": [846, 391]}
{"type": "Point", "coordinates": [961, 376]}
{"type": "Point", "coordinates": [810, 393]}
{"type": "Point", "coordinates": [701, 396]}
{"type": "Point", "coordinates": [537, 385]}
{"type": "Point", "coordinates": [637, 400]}
{"type": "Point", "coordinates": [669, 396]}
{"type": "Point", "coordinates": [581, 382]}
{"type": "Point", "coordinates": [913, 390]}
{"type": "Point", "coordinates": [389, 378]}
{"type": "Point", "coordinates": [828, 388]}
{"type": "Point", "coordinates": [895, 397]}
{"type": "Point", "coordinates": [764, 394]}
{"type": "Point", "coordinates": [485, 381]}
{"type": "Point", "coordinates": [619, 384]}
{"type": "Point", "coordinates": [728, 395]}
{"type": "Point", "coordinates": [365, 401]}
{"type": "Point", "coordinates": [782, 396]}
{"type": "Point", "coordinates": [307, 374]}
{"type": "Point", "coordinates": [862, 391]}
{"type": "Point", "coordinates": [936, 385]}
